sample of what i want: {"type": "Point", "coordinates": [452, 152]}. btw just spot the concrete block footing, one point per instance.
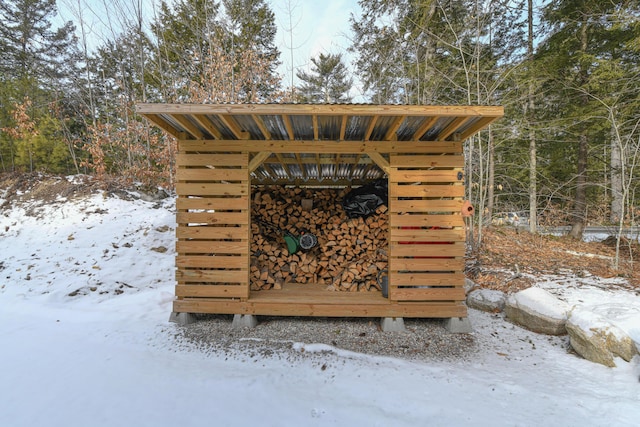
{"type": "Point", "coordinates": [392, 324]}
{"type": "Point", "coordinates": [458, 325]}
{"type": "Point", "coordinates": [182, 319]}
{"type": "Point", "coordinates": [244, 321]}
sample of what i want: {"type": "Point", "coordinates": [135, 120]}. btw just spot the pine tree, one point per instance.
{"type": "Point", "coordinates": [197, 38]}
{"type": "Point", "coordinates": [249, 33]}
{"type": "Point", "coordinates": [184, 33]}
{"type": "Point", "coordinates": [582, 59]}
{"type": "Point", "coordinates": [421, 52]}
{"type": "Point", "coordinates": [31, 50]}
{"type": "Point", "coordinates": [38, 64]}
{"type": "Point", "coordinates": [328, 81]}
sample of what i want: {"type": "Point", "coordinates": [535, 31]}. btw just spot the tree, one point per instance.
{"type": "Point", "coordinates": [423, 52]}
{"type": "Point", "coordinates": [327, 82]}
{"type": "Point", "coordinates": [194, 35]}
{"type": "Point", "coordinates": [250, 29]}
{"type": "Point", "coordinates": [183, 36]}
{"type": "Point", "coordinates": [585, 39]}
{"type": "Point", "coordinates": [38, 145]}
{"type": "Point", "coordinates": [37, 63]}
{"type": "Point", "coordinates": [530, 109]}
{"type": "Point", "coordinates": [33, 53]}
{"type": "Point", "coordinates": [293, 20]}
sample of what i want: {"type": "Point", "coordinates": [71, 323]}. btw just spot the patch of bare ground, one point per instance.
{"type": "Point", "coordinates": [509, 259]}
{"type": "Point", "coordinates": [37, 189]}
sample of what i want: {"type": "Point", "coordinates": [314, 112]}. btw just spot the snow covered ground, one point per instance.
{"type": "Point", "coordinates": [85, 295]}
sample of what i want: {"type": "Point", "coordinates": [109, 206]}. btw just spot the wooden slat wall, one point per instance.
{"type": "Point", "coordinates": [426, 227]}
{"type": "Point", "coordinates": [213, 223]}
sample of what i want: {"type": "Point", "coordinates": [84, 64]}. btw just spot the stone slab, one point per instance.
{"type": "Point", "coordinates": [182, 319]}
{"type": "Point", "coordinates": [244, 321]}
{"type": "Point", "coordinates": [392, 324]}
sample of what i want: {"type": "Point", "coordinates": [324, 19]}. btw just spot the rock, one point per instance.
{"type": "Point", "coordinates": [598, 340]}
{"type": "Point", "coordinates": [152, 195]}
{"type": "Point", "coordinates": [469, 285]}
{"type": "Point", "coordinates": [486, 300]}
{"type": "Point", "coordinates": [538, 310]}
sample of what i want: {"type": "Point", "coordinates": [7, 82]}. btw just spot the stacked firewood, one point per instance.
{"type": "Point", "coordinates": [348, 256]}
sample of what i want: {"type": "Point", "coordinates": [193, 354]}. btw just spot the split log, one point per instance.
{"type": "Point", "coordinates": [350, 252]}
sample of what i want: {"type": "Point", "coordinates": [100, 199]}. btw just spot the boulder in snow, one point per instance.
{"type": "Point", "coordinates": [538, 310]}
{"type": "Point", "coordinates": [486, 300]}
{"type": "Point", "coordinates": [598, 340]}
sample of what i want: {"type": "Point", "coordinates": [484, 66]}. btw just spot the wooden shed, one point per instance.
{"type": "Point", "coordinates": [226, 150]}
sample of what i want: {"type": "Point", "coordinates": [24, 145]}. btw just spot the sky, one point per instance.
{"type": "Point", "coordinates": [317, 27]}
{"type": "Point", "coordinates": [306, 28]}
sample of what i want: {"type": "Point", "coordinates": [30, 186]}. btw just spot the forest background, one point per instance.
{"type": "Point", "coordinates": [566, 71]}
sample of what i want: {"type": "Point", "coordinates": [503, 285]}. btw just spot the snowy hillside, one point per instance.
{"type": "Point", "coordinates": [86, 285]}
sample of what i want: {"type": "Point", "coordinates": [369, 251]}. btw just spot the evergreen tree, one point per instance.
{"type": "Point", "coordinates": [38, 64]}
{"type": "Point", "coordinates": [250, 30]}
{"type": "Point", "coordinates": [184, 34]}
{"type": "Point", "coordinates": [584, 55]}
{"type": "Point", "coordinates": [32, 52]}
{"type": "Point", "coordinates": [422, 52]}
{"type": "Point", "coordinates": [118, 73]}
{"type": "Point", "coordinates": [327, 82]}
{"type": "Point", "coordinates": [201, 51]}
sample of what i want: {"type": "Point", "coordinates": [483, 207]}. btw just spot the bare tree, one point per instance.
{"type": "Point", "coordinates": [533, 157]}
{"type": "Point", "coordinates": [292, 22]}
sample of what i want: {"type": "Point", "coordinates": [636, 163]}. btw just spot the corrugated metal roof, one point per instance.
{"type": "Point", "coordinates": [317, 123]}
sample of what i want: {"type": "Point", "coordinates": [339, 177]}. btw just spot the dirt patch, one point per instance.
{"type": "Point", "coordinates": [44, 189]}
{"type": "Point", "coordinates": [34, 190]}
{"type": "Point", "coordinates": [508, 260]}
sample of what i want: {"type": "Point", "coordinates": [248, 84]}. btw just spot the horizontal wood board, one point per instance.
{"type": "Point", "coordinates": [314, 300]}
{"type": "Point", "coordinates": [213, 215]}
{"type": "Point", "coordinates": [426, 228]}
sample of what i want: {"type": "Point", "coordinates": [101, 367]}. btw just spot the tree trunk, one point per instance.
{"type": "Point", "coordinates": [617, 190]}
{"type": "Point", "coordinates": [533, 183]}
{"type": "Point", "coordinates": [580, 209]}
{"type": "Point", "coordinates": [533, 177]}
{"type": "Point", "coordinates": [491, 179]}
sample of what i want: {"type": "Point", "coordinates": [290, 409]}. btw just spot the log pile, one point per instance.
{"type": "Point", "coordinates": [350, 252]}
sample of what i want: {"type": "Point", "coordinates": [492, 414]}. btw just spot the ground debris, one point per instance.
{"type": "Point", "coordinates": [509, 260]}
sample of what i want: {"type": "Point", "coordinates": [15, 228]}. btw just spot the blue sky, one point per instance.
{"type": "Point", "coordinates": [317, 27]}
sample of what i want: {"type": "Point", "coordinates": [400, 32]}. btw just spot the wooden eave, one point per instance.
{"type": "Point", "coordinates": [319, 144]}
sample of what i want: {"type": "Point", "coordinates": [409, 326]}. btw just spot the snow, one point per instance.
{"type": "Point", "coordinates": [590, 322]}
{"type": "Point", "coordinates": [85, 296]}
{"type": "Point", "coordinates": [491, 296]}
{"type": "Point", "coordinates": [599, 296]}
{"type": "Point", "coordinates": [540, 301]}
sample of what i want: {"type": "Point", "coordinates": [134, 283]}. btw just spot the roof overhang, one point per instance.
{"type": "Point", "coordinates": [336, 122]}
{"type": "Point", "coordinates": [357, 135]}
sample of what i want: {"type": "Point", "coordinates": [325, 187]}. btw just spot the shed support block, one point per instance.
{"type": "Point", "coordinates": [392, 324]}
{"type": "Point", "coordinates": [182, 319]}
{"type": "Point", "coordinates": [458, 325]}
{"type": "Point", "coordinates": [244, 321]}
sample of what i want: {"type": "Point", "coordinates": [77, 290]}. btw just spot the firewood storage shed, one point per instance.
{"type": "Point", "coordinates": [226, 150]}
